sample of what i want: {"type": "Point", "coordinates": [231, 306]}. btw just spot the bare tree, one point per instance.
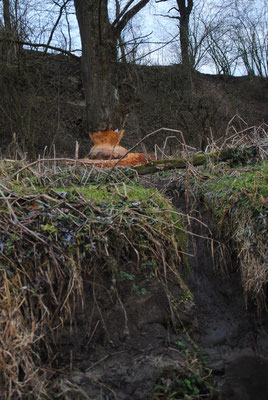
{"type": "Point", "coordinates": [7, 15]}
{"type": "Point", "coordinates": [62, 8]}
{"type": "Point", "coordinates": [238, 41]}
{"type": "Point", "coordinates": [12, 29]}
{"type": "Point", "coordinates": [185, 8]}
{"type": "Point", "coordinates": [205, 21]}
{"type": "Point", "coordinates": [221, 51]}
{"type": "Point", "coordinates": [250, 36]}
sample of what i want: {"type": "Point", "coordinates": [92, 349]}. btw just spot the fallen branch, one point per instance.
{"type": "Point", "coordinates": [195, 160]}
{"type": "Point", "coordinates": [138, 143]}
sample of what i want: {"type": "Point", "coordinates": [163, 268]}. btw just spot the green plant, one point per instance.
{"type": "Point", "coordinates": [181, 345]}
{"type": "Point", "coordinates": [138, 290]}
{"type": "Point", "coordinates": [178, 384]}
{"type": "Point", "coordinates": [186, 296]}
{"type": "Point", "coordinates": [125, 275]}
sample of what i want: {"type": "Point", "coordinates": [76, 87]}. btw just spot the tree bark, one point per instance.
{"type": "Point", "coordinates": [9, 47]}
{"type": "Point", "coordinates": [7, 16]}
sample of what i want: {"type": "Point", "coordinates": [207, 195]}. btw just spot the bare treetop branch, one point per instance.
{"type": "Point", "coordinates": [129, 15]}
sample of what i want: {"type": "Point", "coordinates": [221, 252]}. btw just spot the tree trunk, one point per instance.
{"type": "Point", "coordinates": [99, 56]}
{"type": "Point", "coordinates": [184, 40]}
{"type": "Point", "coordinates": [7, 15]}
{"type": "Point", "coordinates": [9, 46]}
{"type": "Point", "coordinates": [185, 11]}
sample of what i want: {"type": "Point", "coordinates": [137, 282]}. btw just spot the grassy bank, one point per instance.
{"type": "Point", "coordinates": [238, 200]}
{"type": "Point", "coordinates": [69, 239]}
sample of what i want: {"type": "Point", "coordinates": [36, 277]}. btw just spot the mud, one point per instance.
{"type": "Point", "coordinates": [246, 378]}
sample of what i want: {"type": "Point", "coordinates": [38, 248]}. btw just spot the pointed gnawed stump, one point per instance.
{"type": "Point", "coordinates": [106, 151]}
{"type": "Point", "coordinates": [106, 145]}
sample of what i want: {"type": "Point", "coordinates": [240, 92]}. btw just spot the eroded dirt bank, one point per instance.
{"type": "Point", "coordinates": [217, 329]}
{"type": "Point", "coordinates": [231, 334]}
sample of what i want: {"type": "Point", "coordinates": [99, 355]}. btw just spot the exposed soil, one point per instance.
{"type": "Point", "coordinates": [227, 329]}
{"type": "Point", "coordinates": [231, 334]}
{"type": "Point", "coordinates": [126, 366]}
{"type": "Point", "coordinates": [140, 343]}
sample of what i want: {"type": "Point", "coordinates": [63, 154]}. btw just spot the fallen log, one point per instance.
{"type": "Point", "coordinates": [197, 159]}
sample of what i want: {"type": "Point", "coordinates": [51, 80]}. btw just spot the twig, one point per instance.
{"type": "Point", "coordinates": [139, 142]}
{"type": "Point", "coordinates": [76, 150]}
{"type": "Point", "coordinates": [11, 211]}
{"type": "Point", "coordinates": [47, 160]}
{"type": "Point", "coordinates": [119, 136]}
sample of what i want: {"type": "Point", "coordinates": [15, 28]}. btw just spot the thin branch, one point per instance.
{"type": "Point", "coordinates": [139, 142]}
{"type": "Point", "coordinates": [159, 48]}
{"type": "Point", "coordinates": [66, 52]}
{"type": "Point", "coordinates": [167, 16]}
{"type": "Point", "coordinates": [56, 23]}
{"type": "Point", "coordinates": [195, 160]}
{"type": "Point", "coordinates": [45, 160]}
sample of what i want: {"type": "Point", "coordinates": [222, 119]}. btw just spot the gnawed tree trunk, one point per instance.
{"type": "Point", "coordinates": [99, 54]}
{"type": "Point", "coordinates": [99, 39]}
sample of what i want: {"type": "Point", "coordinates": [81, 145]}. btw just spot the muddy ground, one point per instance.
{"type": "Point", "coordinates": [133, 356]}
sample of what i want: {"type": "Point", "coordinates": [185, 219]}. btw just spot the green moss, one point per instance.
{"type": "Point", "coordinates": [123, 206]}
{"type": "Point", "coordinates": [115, 193]}
{"type": "Point", "coordinates": [245, 188]}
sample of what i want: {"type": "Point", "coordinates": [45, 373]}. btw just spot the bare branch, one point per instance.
{"type": "Point", "coordinates": [129, 15]}
{"type": "Point", "coordinates": [56, 23]}
{"type": "Point", "coordinates": [120, 15]}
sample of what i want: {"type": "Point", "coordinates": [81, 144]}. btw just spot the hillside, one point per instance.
{"type": "Point", "coordinates": [42, 106]}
